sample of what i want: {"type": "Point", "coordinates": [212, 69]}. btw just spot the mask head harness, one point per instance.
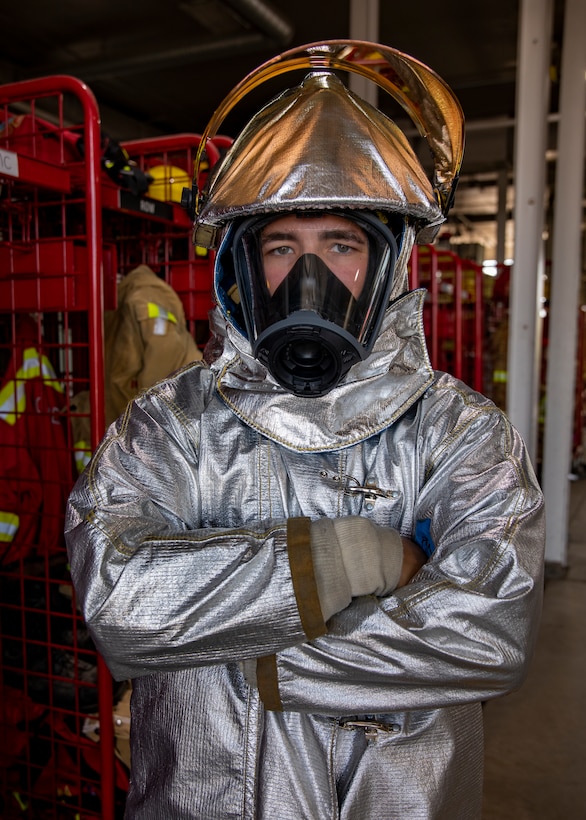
{"type": "Point", "coordinates": [313, 289]}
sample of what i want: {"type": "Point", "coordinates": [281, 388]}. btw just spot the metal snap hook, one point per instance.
{"type": "Point", "coordinates": [369, 490]}
{"type": "Point", "coordinates": [372, 728]}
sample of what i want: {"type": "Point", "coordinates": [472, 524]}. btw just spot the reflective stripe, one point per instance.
{"type": "Point", "coordinates": [13, 394]}
{"type": "Point", "coordinates": [82, 453]}
{"type": "Point", "coordinates": [156, 312]}
{"type": "Point", "coordinates": [21, 803]}
{"type": "Point", "coordinates": [9, 524]}
{"type": "Point", "coordinates": [499, 376]}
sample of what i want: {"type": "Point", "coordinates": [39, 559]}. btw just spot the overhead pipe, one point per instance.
{"type": "Point", "coordinates": [271, 30]}
{"type": "Point", "coordinates": [273, 25]}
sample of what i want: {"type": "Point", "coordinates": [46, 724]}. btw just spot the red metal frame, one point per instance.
{"type": "Point", "coordinates": [51, 276]}
{"type": "Point", "coordinates": [63, 242]}
{"type": "Point", "coordinates": [165, 243]}
{"type": "Point", "coordinates": [453, 313]}
{"type": "Point", "coordinates": [579, 442]}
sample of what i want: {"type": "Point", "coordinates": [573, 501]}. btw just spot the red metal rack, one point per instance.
{"type": "Point", "coordinates": [454, 319]}
{"type": "Point", "coordinates": [67, 232]}
{"type": "Point", "coordinates": [163, 241]}
{"type": "Point", "coordinates": [579, 436]}
{"type": "Point", "coordinates": [51, 304]}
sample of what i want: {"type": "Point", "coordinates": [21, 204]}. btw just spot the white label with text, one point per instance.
{"type": "Point", "coordinates": [8, 163]}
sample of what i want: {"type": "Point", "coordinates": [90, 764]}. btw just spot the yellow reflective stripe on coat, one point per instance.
{"type": "Point", "coordinates": [499, 376]}
{"type": "Point", "coordinates": [9, 524]}
{"type": "Point", "coordinates": [157, 312]}
{"type": "Point", "coordinates": [13, 394]}
{"type": "Point", "coordinates": [82, 453]}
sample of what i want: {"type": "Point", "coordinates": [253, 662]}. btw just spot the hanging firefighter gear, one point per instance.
{"type": "Point", "coordinates": [146, 338]}
{"type": "Point", "coordinates": [35, 469]}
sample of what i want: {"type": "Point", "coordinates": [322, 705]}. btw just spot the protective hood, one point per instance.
{"type": "Point", "coordinates": [315, 151]}
{"type": "Point", "coordinates": [318, 145]}
{"type": "Point", "coordinates": [374, 393]}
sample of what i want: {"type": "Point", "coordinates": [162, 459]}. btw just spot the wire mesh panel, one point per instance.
{"type": "Point", "coordinates": [579, 436]}
{"type": "Point", "coordinates": [454, 312]}
{"type": "Point", "coordinates": [52, 683]}
{"type": "Point", "coordinates": [78, 212]}
{"type": "Point", "coordinates": [155, 230]}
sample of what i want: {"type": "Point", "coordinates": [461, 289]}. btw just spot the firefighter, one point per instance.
{"type": "Point", "coordinates": [315, 557]}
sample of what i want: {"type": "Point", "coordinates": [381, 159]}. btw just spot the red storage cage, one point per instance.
{"type": "Point", "coordinates": [53, 270]}
{"type": "Point", "coordinates": [453, 312]}
{"type": "Point", "coordinates": [579, 436]}
{"type": "Point", "coordinates": [155, 230]}
{"type": "Point", "coordinates": [77, 211]}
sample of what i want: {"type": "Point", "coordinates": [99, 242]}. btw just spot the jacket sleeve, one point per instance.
{"type": "Point", "coordinates": [463, 629]}
{"type": "Point", "coordinates": [158, 591]}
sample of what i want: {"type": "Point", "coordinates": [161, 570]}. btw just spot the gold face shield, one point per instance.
{"type": "Point", "coordinates": [320, 146]}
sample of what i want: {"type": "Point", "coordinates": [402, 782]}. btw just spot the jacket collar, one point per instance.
{"type": "Point", "coordinates": [371, 397]}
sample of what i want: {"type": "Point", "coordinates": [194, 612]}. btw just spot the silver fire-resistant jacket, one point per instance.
{"type": "Point", "coordinates": [188, 537]}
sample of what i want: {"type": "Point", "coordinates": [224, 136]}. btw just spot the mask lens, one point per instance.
{"type": "Point", "coordinates": [311, 285]}
{"type": "Point", "coordinates": [314, 287]}
{"type": "Point", "coordinates": [340, 244]}
{"type": "Point", "coordinates": [329, 264]}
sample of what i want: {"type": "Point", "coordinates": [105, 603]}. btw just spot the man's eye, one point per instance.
{"type": "Point", "coordinates": [281, 250]}
{"type": "Point", "coordinates": [339, 247]}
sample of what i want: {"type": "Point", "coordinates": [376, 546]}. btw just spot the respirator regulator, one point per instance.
{"type": "Point", "coordinates": [313, 288]}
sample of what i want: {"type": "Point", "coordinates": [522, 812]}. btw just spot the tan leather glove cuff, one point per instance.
{"type": "Point", "coordinates": [330, 575]}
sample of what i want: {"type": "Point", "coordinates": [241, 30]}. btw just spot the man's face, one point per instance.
{"type": "Point", "coordinates": [340, 244]}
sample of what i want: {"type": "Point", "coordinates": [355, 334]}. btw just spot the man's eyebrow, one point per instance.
{"type": "Point", "coordinates": [278, 236]}
{"type": "Point", "coordinates": [341, 233]}
{"type": "Point", "coordinates": [347, 234]}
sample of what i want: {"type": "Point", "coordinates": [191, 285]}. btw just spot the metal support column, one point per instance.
{"type": "Point", "coordinates": [565, 283]}
{"type": "Point", "coordinates": [364, 25]}
{"type": "Point", "coordinates": [501, 217]}
{"type": "Point", "coordinates": [530, 145]}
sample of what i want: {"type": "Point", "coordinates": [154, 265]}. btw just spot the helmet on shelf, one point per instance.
{"type": "Point", "coordinates": [168, 182]}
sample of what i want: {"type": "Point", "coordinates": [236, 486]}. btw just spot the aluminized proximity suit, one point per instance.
{"type": "Point", "coordinates": [189, 551]}
{"type": "Point", "coordinates": [191, 531]}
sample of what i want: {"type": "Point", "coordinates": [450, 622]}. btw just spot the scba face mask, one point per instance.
{"type": "Point", "coordinates": [313, 290]}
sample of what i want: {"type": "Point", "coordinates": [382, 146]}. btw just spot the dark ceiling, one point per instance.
{"type": "Point", "coordinates": [162, 66]}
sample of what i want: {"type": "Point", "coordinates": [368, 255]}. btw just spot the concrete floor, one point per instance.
{"type": "Point", "coordinates": [535, 739]}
